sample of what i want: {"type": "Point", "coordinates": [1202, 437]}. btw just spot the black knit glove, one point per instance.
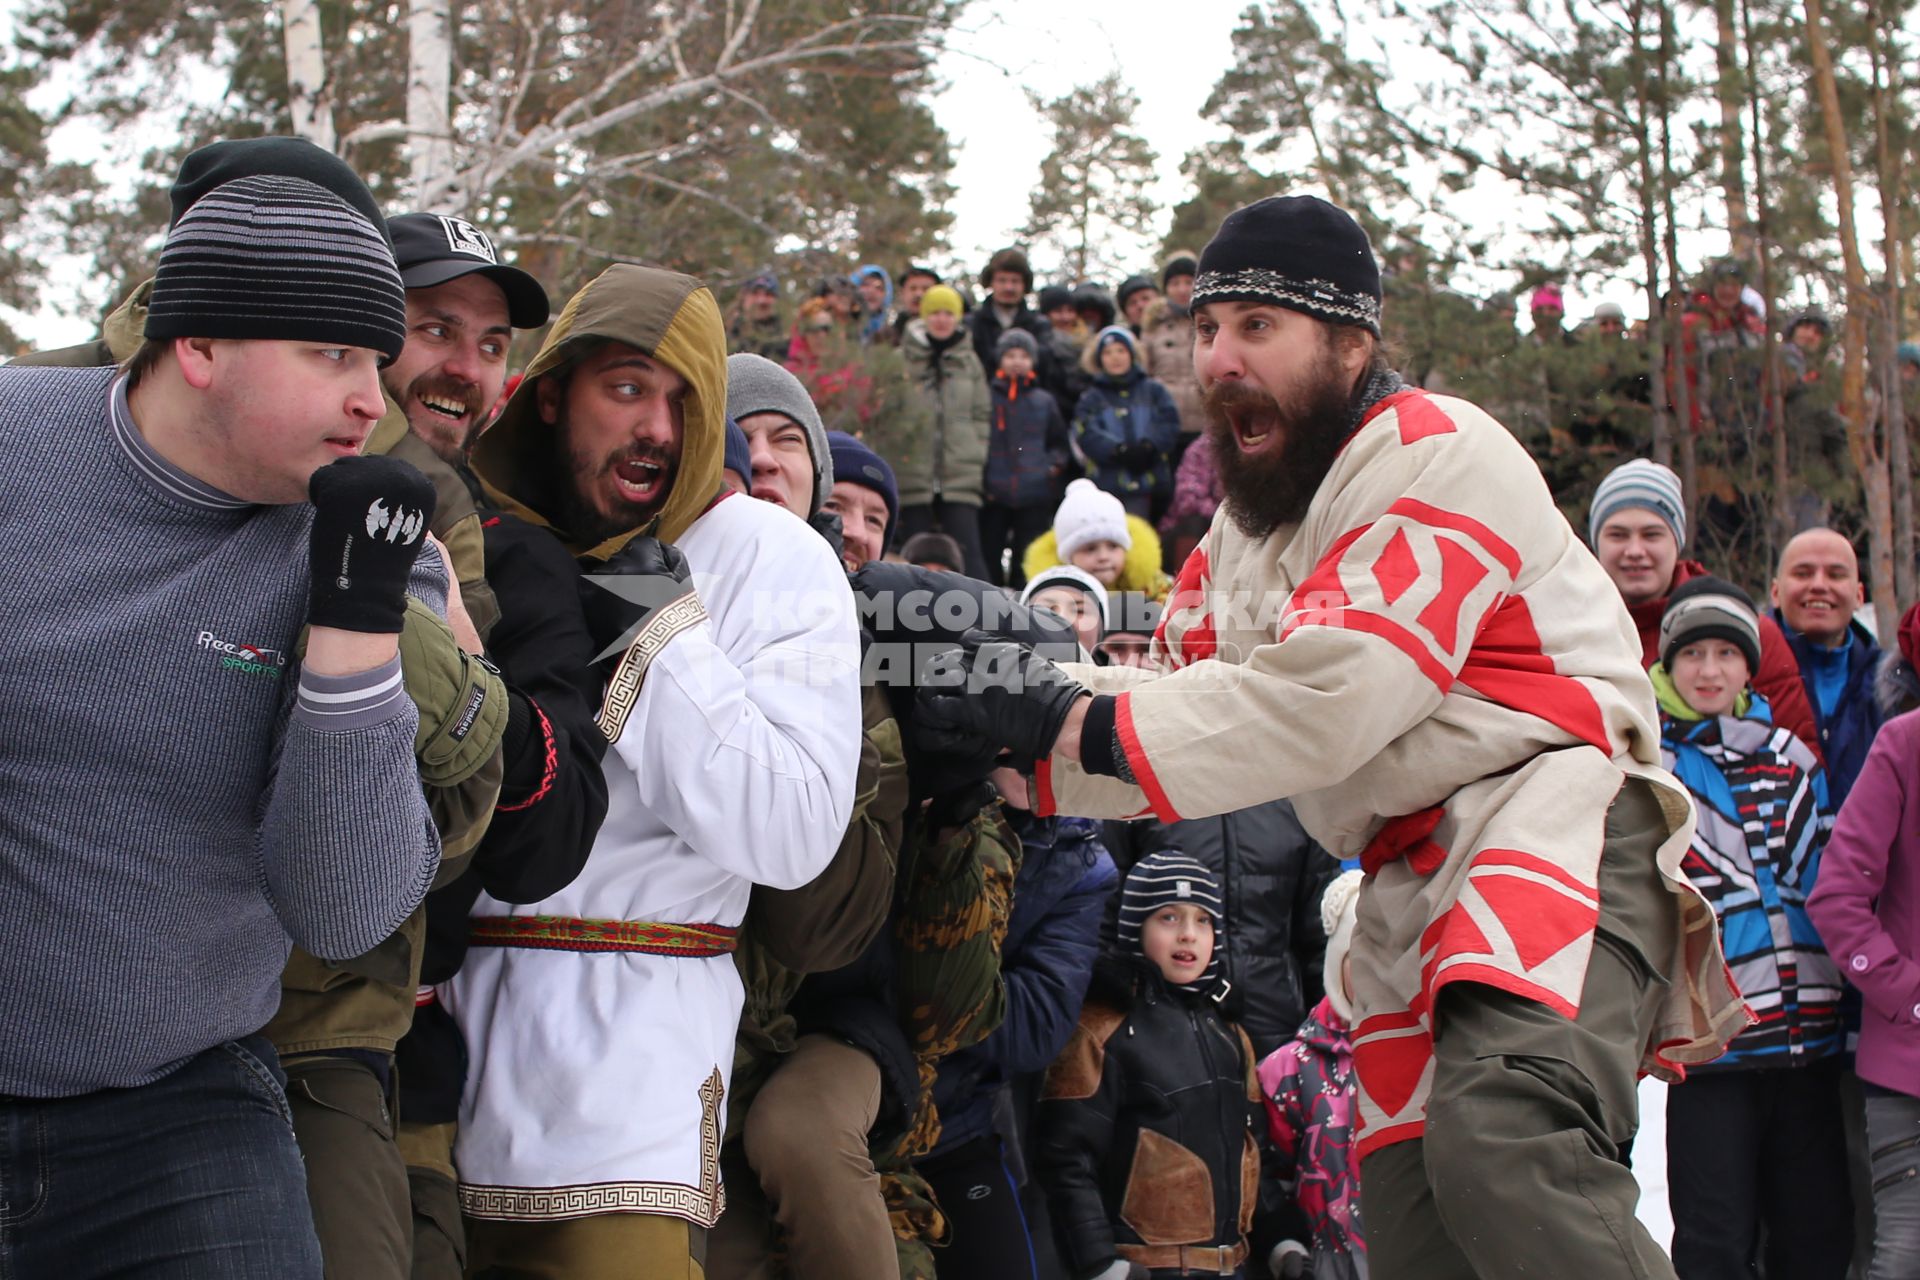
{"type": "Point", "coordinates": [1138, 455]}
{"type": "Point", "coordinates": [633, 591]}
{"type": "Point", "coordinates": [370, 518]}
{"type": "Point", "coordinates": [992, 691]}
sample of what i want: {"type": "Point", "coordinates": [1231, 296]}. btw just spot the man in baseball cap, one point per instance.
{"type": "Point", "coordinates": [463, 305]}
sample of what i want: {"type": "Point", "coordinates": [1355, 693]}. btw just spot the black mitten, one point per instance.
{"type": "Point", "coordinates": [370, 517]}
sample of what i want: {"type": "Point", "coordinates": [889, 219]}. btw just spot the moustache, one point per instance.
{"type": "Point", "coordinates": [451, 390]}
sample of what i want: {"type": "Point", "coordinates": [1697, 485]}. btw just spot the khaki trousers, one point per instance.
{"type": "Point", "coordinates": [808, 1169]}
{"type": "Point", "coordinates": [1520, 1173]}
{"type": "Point", "coordinates": [356, 1181]}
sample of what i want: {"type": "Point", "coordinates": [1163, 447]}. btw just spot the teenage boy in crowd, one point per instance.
{"type": "Point", "coordinates": [1756, 1146]}
{"type": "Point", "coordinates": [1637, 525]}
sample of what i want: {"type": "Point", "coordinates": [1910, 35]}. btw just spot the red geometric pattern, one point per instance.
{"type": "Point", "coordinates": [1396, 569]}
{"type": "Point", "coordinates": [1540, 920]}
{"type": "Point", "coordinates": [1390, 1054]}
{"type": "Point", "coordinates": [1197, 640]}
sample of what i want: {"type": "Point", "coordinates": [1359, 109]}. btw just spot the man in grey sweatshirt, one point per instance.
{"type": "Point", "coordinates": [179, 808]}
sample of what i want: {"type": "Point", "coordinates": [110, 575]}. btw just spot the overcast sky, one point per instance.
{"type": "Point", "coordinates": [1005, 47]}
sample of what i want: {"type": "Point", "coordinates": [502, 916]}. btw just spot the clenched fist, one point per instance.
{"type": "Point", "coordinates": [370, 517]}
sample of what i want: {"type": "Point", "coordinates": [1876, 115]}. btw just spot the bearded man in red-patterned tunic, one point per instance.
{"type": "Point", "coordinates": [1390, 623]}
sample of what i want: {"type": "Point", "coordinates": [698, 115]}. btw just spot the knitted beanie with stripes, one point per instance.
{"type": "Point", "coordinates": [279, 258]}
{"type": "Point", "coordinates": [1162, 879]}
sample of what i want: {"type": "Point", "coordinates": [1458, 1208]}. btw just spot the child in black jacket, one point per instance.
{"type": "Point", "coordinates": [1144, 1139]}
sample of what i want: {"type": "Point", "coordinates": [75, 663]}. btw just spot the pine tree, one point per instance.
{"type": "Point", "coordinates": [1093, 184]}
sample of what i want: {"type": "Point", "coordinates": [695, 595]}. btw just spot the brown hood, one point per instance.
{"type": "Point", "coordinates": [672, 318]}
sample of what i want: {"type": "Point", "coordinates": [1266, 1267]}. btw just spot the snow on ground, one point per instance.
{"type": "Point", "coordinates": [1650, 1162]}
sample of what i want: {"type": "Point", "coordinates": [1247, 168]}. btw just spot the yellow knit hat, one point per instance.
{"type": "Point", "coordinates": [941, 298]}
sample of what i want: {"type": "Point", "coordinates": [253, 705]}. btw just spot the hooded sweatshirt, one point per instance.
{"type": "Point", "coordinates": [733, 746]}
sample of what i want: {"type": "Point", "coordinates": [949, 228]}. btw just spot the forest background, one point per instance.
{"type": "Point", "coordinates": [1616, 147]}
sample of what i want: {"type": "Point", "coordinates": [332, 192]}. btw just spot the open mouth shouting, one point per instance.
{"type": "Point", "coordinates": [640, 481]}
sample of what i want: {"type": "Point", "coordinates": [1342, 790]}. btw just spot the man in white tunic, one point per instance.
{"type": "Point", "coordinates": [601, 1021]}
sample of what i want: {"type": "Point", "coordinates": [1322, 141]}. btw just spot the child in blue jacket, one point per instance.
{"type": "Point", "coordinates": [1754, 1140]}
{"type": "Point", "coordinates": [1126, 424]}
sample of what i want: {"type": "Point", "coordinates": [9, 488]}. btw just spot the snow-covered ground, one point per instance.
{"type": "Point", "coordinates": [1650, 1162]}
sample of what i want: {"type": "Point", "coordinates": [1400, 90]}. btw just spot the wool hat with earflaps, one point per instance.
{"type": "Point", "coordinates": [1339, 905]}
{"type": "Point", "coordinates": [1089, 514]}
{"type": "Point", "coordinates": [1297, 252]}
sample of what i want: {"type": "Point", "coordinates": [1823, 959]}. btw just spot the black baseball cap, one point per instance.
{"type": "Point", "coordinates": [432, 248]}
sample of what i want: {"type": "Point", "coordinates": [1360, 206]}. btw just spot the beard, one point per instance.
{"type": "Point", "coordinates": [1274, 487]}
{"type": "Point", "coordinates": [449, 438]}
{"type": "Point", "coordinates": [584, 491]}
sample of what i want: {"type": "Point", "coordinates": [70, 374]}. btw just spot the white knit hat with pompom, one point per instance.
{"type": "Point", "coordinates": [1337, 908]}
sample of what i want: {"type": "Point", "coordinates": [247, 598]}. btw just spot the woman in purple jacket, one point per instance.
{"type": "Point", "coordinates": [1867, 908]}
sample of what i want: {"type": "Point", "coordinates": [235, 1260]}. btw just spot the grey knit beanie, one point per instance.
{"type": "Point", "coordinates": [1641, 484]}
{"type": "Point", "coordinates": [756, 384]}
{"type": "Point", "coordinates": [278, 258]}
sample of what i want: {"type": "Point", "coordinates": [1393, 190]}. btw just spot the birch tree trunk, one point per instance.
{"type": "Point", "coordinates": [429, 95]}
{"type": "Point", "coordinates": [307, 72]}
{"type": "Point", "coordinates": [1869, 454]}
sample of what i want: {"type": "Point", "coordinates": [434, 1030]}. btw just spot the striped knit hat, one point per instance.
{"type": "Point", "coordinates": [1709, 608]}
{"type": "Point", "coordinates": [278, 258]}
{"type": "Point", "coordinates": [1168, 877]}
{"type": "Point", "coordinates": [1640, 484]}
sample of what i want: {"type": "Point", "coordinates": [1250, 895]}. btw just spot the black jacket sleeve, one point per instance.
{"type": "Point", "coordinates": [553, 797]}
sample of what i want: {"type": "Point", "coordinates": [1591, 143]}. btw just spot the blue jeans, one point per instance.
{"type": "Point", "coordinates": [193, 1177]}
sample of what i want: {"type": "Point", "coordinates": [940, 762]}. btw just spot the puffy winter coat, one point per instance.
{"type": "Point", "coordinates": [1114, 413]}
{"type": "Point", "coordinates": [1308, 1084]}
{"type": "Point", "coordinates": [1046, 961]}
{"type": "Point", "coordinates": [1145, 1130]}
{"type": "Point", "coordinates": [954, 391]}
{"type": "Point", "coordinates": [1763, 824]}
{"type": "Point", "coordinates": [1848, 732]}
{"type": "Point", "coordinates": [1271, 877]}
{"type": "Point", "coordinates": [1141, 572]}
{"type": "Point", "coordinates": [1166, 341]}
{"type": "Point", "coordinates": [1028, 452]}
